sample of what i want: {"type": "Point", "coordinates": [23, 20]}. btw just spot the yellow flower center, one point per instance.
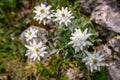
{"type": "Point", "coordinates": [37, 49]}
{"type": "Point", "coordinates": [42, 11]}
{"type": "Point", "coordinates": [63, 15]}
{"type": "Point", "coordinates": [29, 33]}
{"type": "Point", "coordinates": [94, 61]}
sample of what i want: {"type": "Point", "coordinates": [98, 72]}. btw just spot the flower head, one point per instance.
{"type": "Point", "coordinates": [79, 39]}
{"type": "Point", "coordinates": [63, 16]}
{"type": "Point", "coordinates": [42, 13]}
{"type": "Point", "coordinates": [93, 61]}
{"type": "Point", "coordinates": [35, 51]}
{"type": "Point", "coordinates": [30, 34]}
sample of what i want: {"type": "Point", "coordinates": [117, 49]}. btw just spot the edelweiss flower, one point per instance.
{"type": "Point", "coordinates": [93, 61]}
{"type": "Point", "coordinates": [79, 39]}
{"type": "Point", "coordinates": [35, 51]}
{"type": "Point", "coordinates": [31, 33]}
{"type": "Point", "coordinates": [63, 16]}
{"type": "Point", "coordinates": [42, 13]}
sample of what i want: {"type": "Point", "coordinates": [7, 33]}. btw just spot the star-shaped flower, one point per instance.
{"type": "Point", "coordinates": [93, 61]}
{"type": "Point", "coordinates": [42, 13]}
{"type": "Point", "coordinates": [79, 39]}
{"type": "Point", "coordinates": [63, 16]}
{"type": "Point", "coordinates": [30, 34]}
{"type": "Point", "coordinates": [35, 51]}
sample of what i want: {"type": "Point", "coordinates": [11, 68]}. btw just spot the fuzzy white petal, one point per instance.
{"type": "Point", "coordinates": [93, 61]}
{"type": "Point", "coordinates": [35, 51]}
{"type": "Point", "coordinates": [79, 39]}
{"type": "Point", "coordinates": [63, 16]}
{"type": "Point", "coordinates": [42, 13]}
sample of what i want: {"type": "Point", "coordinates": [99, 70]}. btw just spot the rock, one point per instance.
{"type": "Point", "coordinates": [108, 16]}
{"type": "Point", "coordinates": [111, 52]}
{"type": "Point", "coordinates": [41, 34]}
{"type": "Point", "coordinates": [112, 62]}
{"type": "Point", "coordinates": [74, 74]}
{"type": "Point", "coordinates": [115, 44]}
{"type": "Point", "coordinates": [112, 48]}
{"type": "Point", "coordinates": [104, 34]}
{"type": "Point", "coordinates": [87, 6]}
{"type": "Point", "coordinates": [103, 12]}
{"type": "Point", "coordinates": [114, 71]}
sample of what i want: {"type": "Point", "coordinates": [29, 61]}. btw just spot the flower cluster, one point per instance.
{"type": "Point", "coordinates": [79, 39]}
{"type": "Point", "coordinates": [35, 49]}
{"type": "Point", "coordinates": [44, 13]}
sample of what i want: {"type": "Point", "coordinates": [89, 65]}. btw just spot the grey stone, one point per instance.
{"type": "Point", "coordinates": [41, 34]}
{"type": "Point", "coordinates": [114, 71]}
{"type": "Point", "coordinates": [104, 34]}
{"type": "Point", "coordinates": [87, 6]}
{"type": "Point", "coordinates": [74, 74]}
{"type": "Point", "coordinates": [107, 16]}
{"type": "Point", "coordinates": [111, 51]}
{"type": "Point", "coordinates": [103, 12]}
{"type": "Point", "coordinates": [115, 44]}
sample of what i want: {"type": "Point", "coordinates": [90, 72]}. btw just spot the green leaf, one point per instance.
{"type": "Point", "coordinates": [70, 64]}
{"type": "Point", "coordinates": [78, 56]}
{"type": "Point", "coordinates": [10, 3]}
{"type": "Point", "coordinates": [2, 31]}
{"type": "Point", "coordinates": [1, 3]}
{"type": "Point", "coordinates": [2, 68]}
{"type": "Point", "coordinates": [53, 51]}
{"type": "Point", "coordinates": [63, 77]}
